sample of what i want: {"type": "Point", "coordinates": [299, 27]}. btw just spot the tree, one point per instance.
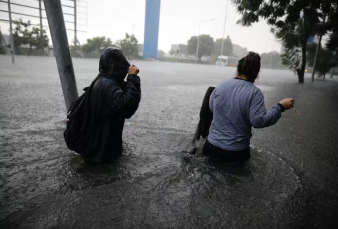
{"type": "Point", "coordinates": [324, 63]}
{"type": "Point", "coordinates": [24, 35]}
{"type": "Point", "coordinates": [2, 44]}
{"type": "Point", "coordinates": [96, 44]}
{"type": "Point", "coordinates": [292, 22]}
{"type": "Point", "coordinates": [129, 46]}
{"type": "Point", "coordinates": [160, 54]}
{"type": "Point", "coordinates": [172, 52]}
{"type": "Point", "coordinates": [140, 47]}
{"type": "Point", "coordinates": [20, 32]}
{"type": "Point", "coordinates": [239, 51]}
{"type": "Point", "coordinates": [271, 60]}
{"type": "Point", "coordinates": [38, 38]}
{"type": "Point", "coordinates": [291, 58]}
{"type": "Point", "coordinates": [332, 43]}
{"type": "Point", "coordinates": [227, 47]}
{"type": "Point", "coordinates": [206, 45]}
{"type": "Point", "coordinates": [324, 57]}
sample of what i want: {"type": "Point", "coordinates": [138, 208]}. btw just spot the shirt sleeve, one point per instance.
{"type": "Point", "coordinates": [211, 100]}
{"type": "Point", "coordinates": [124, 101]}
{"type": "Point", "coordinates": [259, 116]}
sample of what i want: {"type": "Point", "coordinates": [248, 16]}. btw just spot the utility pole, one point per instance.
{"type": "Point", "coordinates": [198, 42]}
{"type": "Point", "coordinates": [11, 31]}
{"type": "Point", "coordinates": [198, 38]}
{"type": "Point", "coordinates": [64, 63]}
{"type": "Point", "coordinates": [225, 18]}
{"type": "Point", "coordinates": [40, 11]}
{"type": "Point", "coordinates": [75, 27]}
{"type": "Point", "coordinates": [315, 60]}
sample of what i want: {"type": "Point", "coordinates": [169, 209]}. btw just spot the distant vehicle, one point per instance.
{"type": "Point", "coordinates": [227, 61]}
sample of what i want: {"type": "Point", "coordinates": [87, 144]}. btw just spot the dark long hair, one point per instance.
{"type": "Point", "coordinates": [249, 66]}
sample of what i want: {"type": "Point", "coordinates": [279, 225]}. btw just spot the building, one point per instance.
{"type": "Point", "coordinates": [152, 23]}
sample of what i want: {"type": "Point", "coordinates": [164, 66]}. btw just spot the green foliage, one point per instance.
{"type": "Point", "coordinates": [324, 57]}
{"type": "Point", "coordinates": [24, 35]}
{"type": "Point", "coordinates": [284, 16]}
{"type": "Point", "coordinates": [160, 54]}
{"type": "Point", "coordinates": [140, 47]}
{"type": "Point", "coordinates": [2, 49]}
{"type": "Point", "coordinates": [21, 32]}
{"type": "Point", "coordinates": [192, 45]}
{"type": "Point", "coordinates": [323, 64]}
{"type": "Point", "coordinates": [227, 47]}
{"type": "Point", "coordinates": [292, 36]}
{"type": "Point", "coordinates": [310, 53]}
{"type": "Point", "coordinates": [332, 45]}
{"type": "Point", "coordinates": [129, 46]}
{"type": "Point", "coordinates": [291, 58]}
{"type": "Point", "coordinates": [270, 60]}
{"type": "Point", "coordinates": [2, 45]}
{"type": "Point", "coordinates": [38, 38]}
{"type": "Point", "coordinates": [206, 45]}
{"type": "Point", "coordinates": [96, 44]}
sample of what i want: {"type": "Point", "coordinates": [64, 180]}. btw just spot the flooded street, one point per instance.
{"type": "Point", "coordinates": [291, 180]}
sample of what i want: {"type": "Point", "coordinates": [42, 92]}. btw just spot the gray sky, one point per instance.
{"type": "Point", "coordinates": [179, 20]}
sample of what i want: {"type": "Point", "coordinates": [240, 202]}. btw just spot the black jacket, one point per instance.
{"type": "Point", "coordinates": [204, 123]}
{"type": "Point", "coordinates": [111, 102]}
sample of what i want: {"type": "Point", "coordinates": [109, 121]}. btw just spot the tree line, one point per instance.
{"type": "Point", "coordinates": [26, 34]}
{"type": "Point", "coordinates": [208, 47]}
{"type": "Point", "coordinates": [129, 45]}
{"type": "Point", "coordinates": [293, 22]}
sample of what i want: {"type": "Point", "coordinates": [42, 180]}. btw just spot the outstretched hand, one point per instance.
{"type": "Point", "coordinates": [288, 103]}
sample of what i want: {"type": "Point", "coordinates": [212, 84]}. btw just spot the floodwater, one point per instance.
{"type": "Point", "coordinates": [289, 182]}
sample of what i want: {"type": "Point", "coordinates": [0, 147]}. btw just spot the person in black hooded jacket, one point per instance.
{"type": "Point", "coordinates": [111, 102]}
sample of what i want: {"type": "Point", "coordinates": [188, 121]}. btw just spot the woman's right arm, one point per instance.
{"type": "Point", "coordinates": [259, 116]}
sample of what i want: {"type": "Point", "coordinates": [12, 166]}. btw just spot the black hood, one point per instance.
{"type": "Point", "coordinates": [114, 63]}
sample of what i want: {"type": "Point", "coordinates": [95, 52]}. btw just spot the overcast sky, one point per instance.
{"type": "Point", "coordinates": [179, 20]}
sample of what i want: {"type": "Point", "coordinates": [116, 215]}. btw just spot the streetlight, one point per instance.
{"type": "Point", "coordinates": [198, 38]}
{"type": "Point", "coordinates": [225, 19]}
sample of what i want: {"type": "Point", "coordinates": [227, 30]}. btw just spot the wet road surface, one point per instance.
{"type": "Point", "coordinates": [290, 181]}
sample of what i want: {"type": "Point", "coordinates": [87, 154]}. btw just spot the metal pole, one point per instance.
{"type": "Point", "coordinates": [86, 14]}
{"type": "Point", "coordinates": [40, 11]}
{"type": "Point", "coordinates": [198, 42]}
{"type": "Point", "coordinates": [75, 27]}
{"type": "Point", "coordinates": [64, 63]}
{"type": "Point", "coordinates": [11, 31]}
{"type": "Point", "coordinates": [198, 38]}
{"type": "Point", "coordinates": [315, 60]}
{"type": "Point", "coordinates": [225, 18]}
